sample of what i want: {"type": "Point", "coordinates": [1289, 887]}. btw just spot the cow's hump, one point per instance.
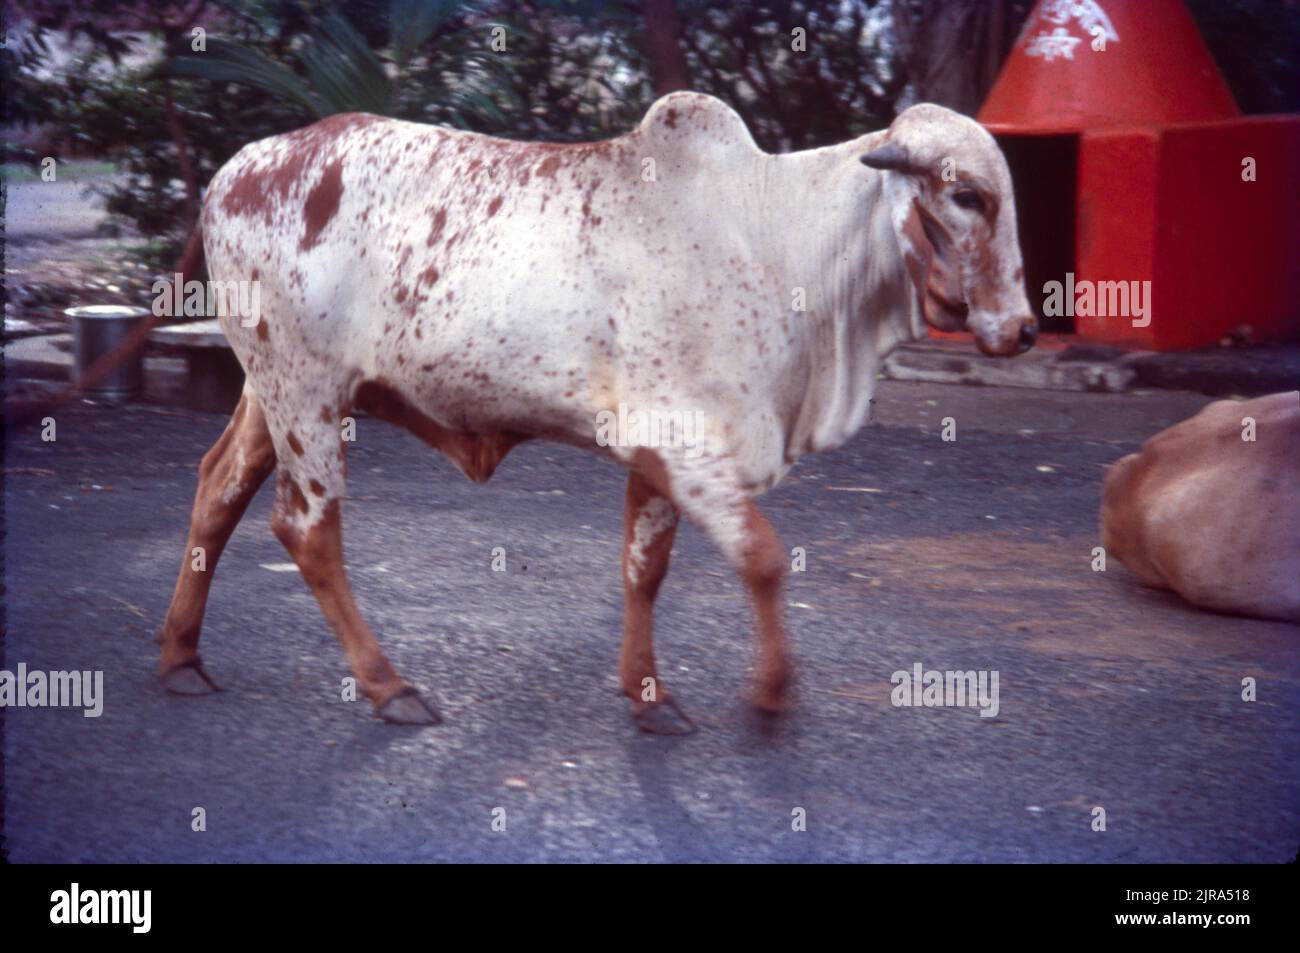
{"type": "Point", "coordinates": [696, 122]}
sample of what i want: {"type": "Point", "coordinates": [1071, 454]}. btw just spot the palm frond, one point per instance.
{"type": "Point", "coordinates": [227, 62]}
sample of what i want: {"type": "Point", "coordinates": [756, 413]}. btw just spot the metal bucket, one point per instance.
{"type": "Point", "coordinates": [98, 329]}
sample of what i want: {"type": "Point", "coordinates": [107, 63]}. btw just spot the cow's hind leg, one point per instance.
{"type": "Point", "coordinates": [649, 525]}
{"type": "Point", "coordinates": [229, 477]}
{"type": "Point", "coordinates": [306, 519]}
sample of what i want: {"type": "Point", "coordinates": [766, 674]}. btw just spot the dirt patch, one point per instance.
{"type": "Point", "coordinates": [1045, 594]}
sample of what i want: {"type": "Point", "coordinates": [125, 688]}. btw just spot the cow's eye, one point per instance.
{"type": "Point", "coordinates": [970, 200]}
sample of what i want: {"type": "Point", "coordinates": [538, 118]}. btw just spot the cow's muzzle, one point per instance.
{"type": "Point", "coordinates": [1028, 335]}
{"type": "Point", "coordinates": [1012, 337]}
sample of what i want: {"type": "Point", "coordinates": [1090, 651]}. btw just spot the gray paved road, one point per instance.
{"type": "Point", "coordinates": [964, 555]}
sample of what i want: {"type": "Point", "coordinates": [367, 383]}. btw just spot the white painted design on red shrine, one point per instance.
{"type": "Point", "coordinates": [1060, 42]}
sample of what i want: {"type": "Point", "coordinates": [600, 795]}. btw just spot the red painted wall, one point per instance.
{"type": "Point", "coordinates": [1117, 212]}
{"type": "Point", "coordinates": [1170, 205]}
{"type": "Point", "coordinates": [1228, 250]}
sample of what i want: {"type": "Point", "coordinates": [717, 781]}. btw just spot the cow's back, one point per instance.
{"type": "Point", "coordinates": [1212, 516]}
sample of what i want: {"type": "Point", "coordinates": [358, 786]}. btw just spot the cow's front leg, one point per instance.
{"type": "Point", "coordinates": [762, 565]}
{"type": "Point", "coordinates": [708, 491]}
{"type": "Point", "coordinates": [649, 525]}
{"type": "Point", "coordinates": [306, 520]}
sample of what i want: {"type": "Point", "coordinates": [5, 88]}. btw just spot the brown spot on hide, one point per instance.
{"type": "Point", "coordinates": [439, 222]}
{"type": "Point", "coordinates": [322, 204]}
{"type": "Point", "coordinates": [548, 167]}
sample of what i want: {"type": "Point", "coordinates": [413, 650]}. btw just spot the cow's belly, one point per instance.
{"type": "Point", "coordinates": [487, 351]}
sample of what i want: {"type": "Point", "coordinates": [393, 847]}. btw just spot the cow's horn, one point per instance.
{"type": "Point", "coordinates": [889, 156]}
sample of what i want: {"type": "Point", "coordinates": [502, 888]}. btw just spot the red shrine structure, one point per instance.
{"type": "Point", "coordinates": [1133, 165]}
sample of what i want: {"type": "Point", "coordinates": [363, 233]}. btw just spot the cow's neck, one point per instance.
{"type": "Point", "coordinates": [840, 246]}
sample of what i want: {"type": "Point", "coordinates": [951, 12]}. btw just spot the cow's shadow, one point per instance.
{"type": "Point", "coordinates": [776, 776]}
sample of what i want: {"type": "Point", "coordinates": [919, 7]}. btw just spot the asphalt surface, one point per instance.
{"type": "Point", "coordinates": [966, 555]}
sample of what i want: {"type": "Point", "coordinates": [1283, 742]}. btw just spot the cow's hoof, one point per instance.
{"type": "Point", "coordinates": [772, 692]}
{"type": "Point", "coordinates": [188, 679]}
{"type": "Point", "coordinates": [771, 703]}
{"type": "Point", "coordinates": [408, 708]}
{"type": "Point", "coordinates": [664, 717]}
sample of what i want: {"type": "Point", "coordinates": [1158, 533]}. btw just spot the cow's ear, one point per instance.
{"type": "Point", "coordinates": [928, 255]}
{"type": "Point", "coordinates": [918, 253]}
{"type": "Point", "coordinates": [890, 156]}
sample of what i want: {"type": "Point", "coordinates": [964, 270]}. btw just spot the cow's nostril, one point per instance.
{"type": "Point", "coordinates": [1028, 335]}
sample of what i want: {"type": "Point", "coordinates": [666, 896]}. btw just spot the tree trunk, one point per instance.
{"type": "Point", "coordinates": [183, 160]}
{"type": "Point", "coordinates": [668, 69]}
{"type": "Point", "coordinates": [955, 48]}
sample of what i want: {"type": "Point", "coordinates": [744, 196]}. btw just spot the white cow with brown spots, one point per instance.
{"type": "Point", "coordinates": [481, 292]}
